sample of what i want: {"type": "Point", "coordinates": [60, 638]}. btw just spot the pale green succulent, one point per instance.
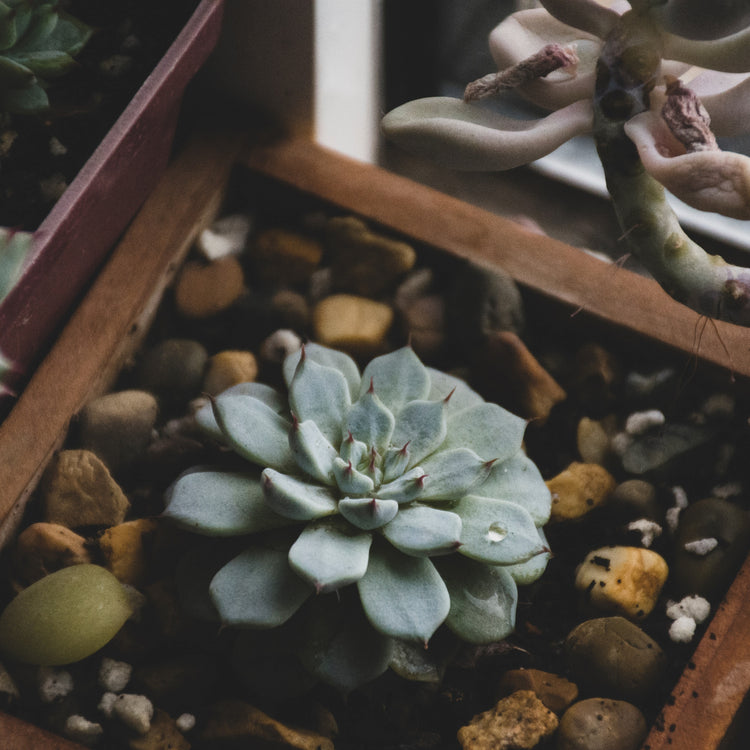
{"type": "Point", "coordinates": [402, 484]}
{"type": "Point", "coordinates": [37, 44]}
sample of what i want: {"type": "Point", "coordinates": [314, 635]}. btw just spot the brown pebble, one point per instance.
{"type": "Point", "coordinates": [285, 257]}
{"type": "Point", "coordinates": [205, 289]}
{"type": "Point", "coordinates": [43, 548]}
{"type": "Point", "coordinates": [124, 549]}
{"type": "Point", "coordinates": [554, 691]}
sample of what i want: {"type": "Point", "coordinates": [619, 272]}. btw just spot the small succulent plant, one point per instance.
{"type": "Point", "coordinates": [37, 44]}
{"type": "Point", "coordinates": [402, 484]}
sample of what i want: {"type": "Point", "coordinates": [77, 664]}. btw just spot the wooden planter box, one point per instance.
{"type": "Point", "coordinates": [94, 346]}
{"type": "Point", "coordinates": [71, 243]}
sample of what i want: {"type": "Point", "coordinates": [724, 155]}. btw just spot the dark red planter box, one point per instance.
{"type": "Point", "coordinates": [84, 224]}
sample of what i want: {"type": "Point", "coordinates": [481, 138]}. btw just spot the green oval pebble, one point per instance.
{"type": "Point", "coordinates": [64, 617]}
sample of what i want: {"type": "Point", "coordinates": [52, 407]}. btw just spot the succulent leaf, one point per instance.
{"type": "Point", "coordinates": [403, 597]}
{"type": "Point", "coordinates": [453, 473]}
{"type": "Point", "coordinates": [328, 358]}
{"type": "Point", "coordinates": [492, 432]}
{"type": "Point", "coordinates": [14, 246]}
{"type": "Point", "coordinates": [312, 452]}
{"type": "Point", "coordinates": [406, 488]}
{"type": "Point", "coordinates": [330, 554]}
{"type": "Point", "coordinates": [398, 378]}
{"type": "Point", "coordinates": [518, 480]}
{"type": "Point", "coordinates": [422, 531]}
{"type": "Point", "coordinates": [294, 498]}
{"type": "Point", "coordinates": [483, 599]}
{"type": "Point", "coordinates": [258, 589]}
{"type": "Point", "coordinates": [527, 572]}
{"type": "Point", "coordinates": [255, 431]}
{"type": "Point", "coordinates": [219, 503]}
{"type": "Point", "coordinates": [349, 480]}
{"type": "Point", "coordinates": [461, 395]}
{"type": "Point", "coordinates": [321, 395]}
{"type": "Point", "coordinates": [341, 647]}
{"type": "Point", "coordinates": [371, 422]}
{"type": "Point", "coordinates": [413, 661]}
{"type": "Point", "coordinates": [368, 513]}
{"type": "Point", "coordinates": [496, 531]}
{"type": "Point", "coordinates": [421, 425]}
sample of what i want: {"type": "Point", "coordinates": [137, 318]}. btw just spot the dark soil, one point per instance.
{"type": "Point", "coordinates": [130, 37]}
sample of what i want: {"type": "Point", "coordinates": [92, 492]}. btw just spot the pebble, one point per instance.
{"type": "Point", "coordinates": [43, 548]}
{"type": "Point", "coordinates": [623, 580]}
{"type": "Point", "coordinates": [674, 447]}
{"type": "Point", "coordinates": [354, 324]}
{"type": "Point", "coordinates": [206, 289]}
{"type": "Point", "coordinates": [554, 691]}
{"type": "Point", "coordinates": [292, 309]}
{"type": "Point", "coordinates": [363, 261]}
{"type": "Point", "coordinates": [281, 256]}
{"type": "Point", "coordinates": [78, 490]}
{"type": "Point", "coordinates": [510, 375]}
{"type": "Point", "coordinates": [642, 421]}
{"type": "Point", "coordinates": [163, 734]}
{"type": "Point", "coordinates": [635, 499]}
{"type": "Point", "coordinates": [596, 373]}
{"type": "Point", "coordinates": [708, 574]}
{"type": "Point", "coordinates": [173, 370]}
{"type": "Point", "coordinates": [118, 427]}
{"type": "Point", "coordinates": [229, 368]}
{"type": "Point", "coordinates": [235, 723]}
{"type": "Point", "coordinates": [422, 313]}
{"type": "Point", "coordinates": [579, 489]}
{"type": "Point", "coordinates": [601, 724]}
{"type": "Point", "coordinates": [482, 301]}
{"type": "Point", "coordinates": [615, 658]}
{"type": "Point", "coordinates": [226, 236]}
{"type": "Point", "coordinates": [518, 722]}
{"type": "Point", "coordinates": [123, 548]}
{"type": "Point", "coordinates": [279, 345]}
{"type": "Point", "coordinates": [593, 440]}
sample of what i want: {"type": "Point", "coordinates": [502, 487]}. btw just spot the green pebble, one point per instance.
{"type": "Point", "coordinates": [64, 617]}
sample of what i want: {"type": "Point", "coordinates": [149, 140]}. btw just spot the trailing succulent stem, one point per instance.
{"type": "Point", "coordinates": [627, 70]}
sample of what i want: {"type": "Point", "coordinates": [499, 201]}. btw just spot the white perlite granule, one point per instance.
{"type": "Point", "coordinates": [114, 675]}
{"type": "Point", "coordinates": [682, 630]}
{"type": "Point", "coordinates": [702, 546]}
{"type": "Point", "coordinates": [54, 684]}
{"type": "Point", "coordinates": [695, 607]}
{"type": "Point", "coordinates": [648, 530]}
{"type": "Point", "coordinates": [135, 711]}
{"type": "Point", "coordinates": [642, 421]}
{"type": "Point", "coordinates": [185, 722]}
{"type": "Point", "coordinates": [80, 729]}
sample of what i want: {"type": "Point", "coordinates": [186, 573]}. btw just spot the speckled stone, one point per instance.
{"type": "Point", "coordinates": [364, 261]}
{"type": "Point", "coordinates": [78, 490]}
{"type": "Point", "coordinates": [709, 574]}
{"type": "Point", "coordinates": [518, 722]}
{"type": "Point", "coordinates": [614, 658]}
{"type": "Point", "coordinates": [623, 580]}
{"type": "Point", "coordinates": [206, 289]}
{"type": "Point", "coordinates": [355, 324]}
{"type": "Point", "coordinates": [554, 691]}
{"type": "Point", "coordinates": [282, 256]}
{"type": "Point", "coordinates": [43, 548]}
{"type": "Point", "coordinates": [229, 368]}
{"type": "Point", "coordinates": [234, 723]}
{"type": "Point", "coordinates": [579, 489]}
{"type": "Point", "coordinates": [601, 724]}
{"type": "Point", "coordinates": [118, 426]}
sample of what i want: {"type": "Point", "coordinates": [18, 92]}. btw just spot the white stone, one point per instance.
{"type": "Point", "coordinates": [648, 530]}
{"type": "Point", "coordinates": [114, 675]}
{"type": "Point", "coordinates": [80, 729]}
{"type": "Point", "coordinates": [702, 547]}
{"type": "Point", "coordinates": [682, 630]}
{"type": "Point", "coordinates": [135, 711]}
{"type": "Point", "coordinates": [642, 421]}
{"type": "Point", "coordinates": [226, 236]}
{"type": "Point", "coordinates": [54, 684]}
{"type": "Point", "coordinates": [185, 722]}
{"type": "Point", "coordinates": [279, 345]}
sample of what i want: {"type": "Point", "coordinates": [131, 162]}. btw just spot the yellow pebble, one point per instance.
{"type": "Point", "coordinates": [229, 368]}
{"type": "Point", "coordinates": [579, 489]}
{"type": "Point", "coordinates": [622, 580]}
{"type": "Point", "coordinates": [124, 551]}
{"type": "Point", "coordinates": [207, 289]}
{"type": "Point", "coordinates": [355, 324]}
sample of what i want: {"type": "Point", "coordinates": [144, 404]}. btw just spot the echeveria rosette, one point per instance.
{"type": "Point", "coordinates": [401, 484]}
{"type": "Point", "coordinates": [38, 43]}
{"type": "Point", "coordinates": [626, 58]}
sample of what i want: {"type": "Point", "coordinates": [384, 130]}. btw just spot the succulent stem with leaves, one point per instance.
{"type": "Point", "coordinates": [401, 483]}
{"type": "Point", "coordinates": [38, 43]}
